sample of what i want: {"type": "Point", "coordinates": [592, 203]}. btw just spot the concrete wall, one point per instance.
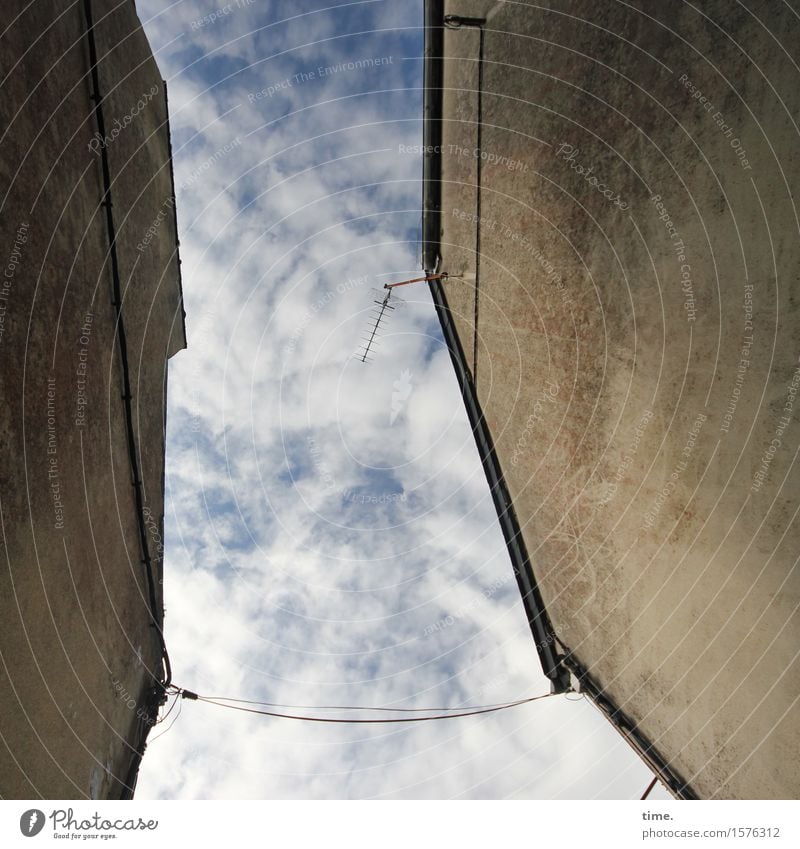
{"type": "Point", "coordinates": [638, 348]}
{"type": "Point", "coordinates": [78, 648]}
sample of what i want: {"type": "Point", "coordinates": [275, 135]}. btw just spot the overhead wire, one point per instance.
{"type": "Point", "coordinates": [179, 702]}
{"type": "Point", "coordinates": [359, 707]}
{"type": "Point", "coordinates": [168, 712]}
{"type": "Point", "coordinates": [443, 713]}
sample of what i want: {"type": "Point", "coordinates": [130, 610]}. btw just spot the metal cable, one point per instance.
{"type": "Point", "coordinates": [480, 709]}
{"type": "Point", "coordinates": [358, 707]}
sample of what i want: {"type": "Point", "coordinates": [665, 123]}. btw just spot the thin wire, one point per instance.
{"type": "Point", "coordinates": [649, 788]}
{"type": "Point", "coordinates": [372, 721]}
{"type": "Point", "coordinates": [358, 707]}
{"type": "Point", "coordinates": [478, 213]}
{"type": "Point", "coordinates": [180, 707]}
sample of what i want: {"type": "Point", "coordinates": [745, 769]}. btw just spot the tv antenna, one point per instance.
{"type": "Point", "coordinates": [380, 309]}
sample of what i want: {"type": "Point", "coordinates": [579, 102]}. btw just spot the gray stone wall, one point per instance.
{"type": "Point", "coordinates": [79, 651]}
{"type": "Point", "coordinates": [638, 349]}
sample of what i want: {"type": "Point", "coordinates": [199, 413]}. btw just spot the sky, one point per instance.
{"type": "Point", "coordinates": [330, 536]}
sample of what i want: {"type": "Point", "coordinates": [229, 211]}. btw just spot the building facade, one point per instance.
{"type": "Point", "coordinates": [90, 312]}
{"type": "Point", "coordinates": [611, 189]}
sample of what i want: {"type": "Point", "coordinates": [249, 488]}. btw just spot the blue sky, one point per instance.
{"type": "Point", "coordinates": [329, 533]}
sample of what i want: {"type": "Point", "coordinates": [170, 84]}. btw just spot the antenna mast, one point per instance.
{"type": "Point", "coordinates": [383, 306]}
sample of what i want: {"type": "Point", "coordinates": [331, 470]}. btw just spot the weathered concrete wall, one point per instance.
{"type": "Point", "coordinates": [638, 349]}
{"type": "Point", "coordinates": [78, 648]}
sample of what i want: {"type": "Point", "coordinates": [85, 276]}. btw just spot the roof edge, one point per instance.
{"type": "Point", "coordinates": [629, 730]}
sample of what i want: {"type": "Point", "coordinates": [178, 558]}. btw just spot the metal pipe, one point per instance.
{"type": "Point", "coordinates": [432, 134]}
{"type": "Point", "coordinates": [539, 621]}
{"type": "Point", "coordinates": [457, 22]}
{"type": "Point", "coordinates": [427, 277]}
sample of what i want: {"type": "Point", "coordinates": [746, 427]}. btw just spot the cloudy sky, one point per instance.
{"type": "Point", "coordinates": [330, 534]}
